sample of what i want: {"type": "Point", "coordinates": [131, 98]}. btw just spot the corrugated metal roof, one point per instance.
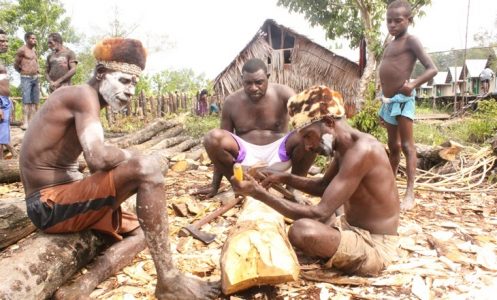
{"type": "Point", "coordinates": [440, 78]}
{"type": "Point", "coordinates": [454, 74]}
{"type": "Point", "coordinates": [475, 66]}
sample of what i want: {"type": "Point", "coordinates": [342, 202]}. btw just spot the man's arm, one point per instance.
{"type": "Point", "coordinates": [18, 60]}
{"type": "Point", "coordinates": [47, 70]}
{"type": "Point", "coordinates": [226, 121]}
{"type": "Point", "coordinates": [311, 185]}
{"type": "Point", "coordinates": [425, 60]}
{"type": "Point", "coordinates": [100, 157]}
{"type": "Point", "coordinates": [340, 189]}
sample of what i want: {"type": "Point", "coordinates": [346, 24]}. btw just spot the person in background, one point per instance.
{"type": "Point", "coordinates": [26, 63]}
{"type": "Point", "coordinates": [5, 102]}
{"type": "Point", "coordinates": [485, 76]}
{"type": "Point", "coordinates": [61, 63]}
{"type": "Point", "coordinates": [397, 110]}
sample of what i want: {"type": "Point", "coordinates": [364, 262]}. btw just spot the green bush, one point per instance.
{"type": "Point", "coordinates": [367, 119]}
{"type": "Point", "coordinates": [197, 126]}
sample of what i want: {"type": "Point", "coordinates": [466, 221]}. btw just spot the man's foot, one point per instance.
{"type": "Point", "coordinates": [205, 192]}
{"type": "Point", "coordinates": [188, 288]}
{"type": "Point", "coordinates": [408, 202]}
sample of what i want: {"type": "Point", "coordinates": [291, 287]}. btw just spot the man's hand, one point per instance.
{"type": "Point", "coordinates": [54, 85]}
{"type": "Point", "coordinates": [272, 177]}
{"type": "Point", "coordinates": [247, 187]}
{"type": "Point", "coordinates": [406, 89]}
{"type": "Point", "coordinates": [1, 115]}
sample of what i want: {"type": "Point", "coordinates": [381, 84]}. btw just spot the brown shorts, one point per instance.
{"type": "Point", "coordinates": [361, 252]}
{"type": "Point", "coordinates": [89, 203]}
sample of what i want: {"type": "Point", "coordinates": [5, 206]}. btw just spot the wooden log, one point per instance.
{"type": "Point", "coordinates": [171, 132]}
{"type": "Point", "coordinates": [257, 251]}
{"type": "Point", "coordinates": [143, 134]}
{"type": "Point", "coordinates": [9, 171]}
{"type": "Point", "coordinates": [41, 263]}
{"type": "Point", "coordinates": [429, 156]}
{"type": "Point", "coordinates": [14, 222]}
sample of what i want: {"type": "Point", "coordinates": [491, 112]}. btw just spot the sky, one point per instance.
{"type": "Point", "coordinates": [206, 35]}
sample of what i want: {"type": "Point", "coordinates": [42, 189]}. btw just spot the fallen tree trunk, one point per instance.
{"type": "Point", "coordinates": [429, 156]}
{"type": "Point", "coordinates": [171, 132]}
{"type": "Point", "coordinates": [257, 251]}
{"type": "Point", "coordinates": [41, 263]}
{"type": "Point", "coordinates": [9, 169]}
{"type": "Point", "coordinates": [14, 222]}
{"type": "Point", "coordinates": [144, 134]}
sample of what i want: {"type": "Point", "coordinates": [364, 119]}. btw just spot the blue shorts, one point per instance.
{"type": "Point", "coordinates": [401, 105]}
{"type": "Point", "coordinates": [5, 106]}
{"type": "Point", "coordinates": [30, 90]}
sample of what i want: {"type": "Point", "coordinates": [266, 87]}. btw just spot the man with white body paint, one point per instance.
{"type": "Point", "coordinates": [60, 199]}
{"type": "Point", "coordinates": [364, 240]}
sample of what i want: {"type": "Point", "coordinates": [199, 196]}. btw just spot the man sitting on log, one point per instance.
{"type": "Point", "coordinates": [254, 126]}
{"type": "Point", "coordinates": [364, 240]}
{"type": "Point", "coordinates": [60, 199]}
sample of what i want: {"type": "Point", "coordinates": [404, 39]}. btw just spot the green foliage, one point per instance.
{"type": "Point", "coordinates": [196, 126]}
{"type": "Point", "coordinates": [183, 80]}
{"type": "Point", "coordinates": [482, 125]}
{"type": "Point", "coordinates": [367, 119]}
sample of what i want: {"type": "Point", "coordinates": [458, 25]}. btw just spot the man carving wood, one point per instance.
{"type": "Point", "coordinates": [362, 241]}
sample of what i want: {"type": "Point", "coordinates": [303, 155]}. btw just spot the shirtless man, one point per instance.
{"type": "Point", "coordinates": [254, 125]}
{"type": "Point", "coordinates": [364, 240]}
{"type": "Point", "coordinates": [61, 63]}
{"type": "Point", "coordinates": [26, 63]}
{"type": "Point", "coordinates": [60, 199]}
{"type": "Point", "coordinates": [399, 93]}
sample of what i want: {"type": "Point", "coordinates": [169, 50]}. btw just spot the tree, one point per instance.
{"type": "Point", "coordinates": [353, 20]}
{"type": "Point", "coordinates": [183, 80]}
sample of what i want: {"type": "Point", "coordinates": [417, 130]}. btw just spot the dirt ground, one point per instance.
{"type": "Point", "coordinates": [449, 244]}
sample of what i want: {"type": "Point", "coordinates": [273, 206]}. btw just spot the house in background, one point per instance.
{"type": "Point", "coordinates": [454, 78]}
{"type": "Point", "coordinates": [293, 60]}
{"type": "Point", "coordinates": [440, 86]}
{"type": "Point", "coordinates": [471, 73]}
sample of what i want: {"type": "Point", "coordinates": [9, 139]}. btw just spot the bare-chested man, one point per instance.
{"type": "Point", "coordinates": [364, 240]}
{"type": "Point", "coordinates": [254, 125]}
{"type": "Point", "coordinates": [60, 199]}
{"type": "Point", "coordinates": [399, 93]}
{"type": "Point", "coordinates": [26, 63]}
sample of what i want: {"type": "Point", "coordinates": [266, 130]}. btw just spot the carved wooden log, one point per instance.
{"type": "Point", "coordinates": [14, 222]}
{"type": "Point", "coordinates": [257, 251]}
{"type": "Point", "coordinates": [41, 263]}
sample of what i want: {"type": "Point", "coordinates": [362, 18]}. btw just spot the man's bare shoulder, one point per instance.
{"type": "Point", "coordinates": [76, 96]}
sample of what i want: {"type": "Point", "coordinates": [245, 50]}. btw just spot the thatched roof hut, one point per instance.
{"type": "Point", "coordinates": [294, 60]}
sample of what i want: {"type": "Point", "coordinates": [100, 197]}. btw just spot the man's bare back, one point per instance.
{"type": "Point", "coordinates": [374, 204]}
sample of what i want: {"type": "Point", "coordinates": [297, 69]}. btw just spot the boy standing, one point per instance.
{"type": "Point", "coordinates": [399, 93]}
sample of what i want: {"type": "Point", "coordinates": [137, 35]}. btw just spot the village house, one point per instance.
{"type": "Point", "coordinates": [293, 60]}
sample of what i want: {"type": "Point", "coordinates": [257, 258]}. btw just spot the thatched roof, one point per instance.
{"type": "Point", "coordinates": [303, 65]}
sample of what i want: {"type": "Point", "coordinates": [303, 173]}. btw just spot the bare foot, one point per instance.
{"type": "Point", "coordinates": [188, 288]}
{"type": "Point", "coordinates": [408, 202]}
{"type": "Point", "coordinates": [70, 292]}
{"type": "Point", "coordinates": [205, 192]}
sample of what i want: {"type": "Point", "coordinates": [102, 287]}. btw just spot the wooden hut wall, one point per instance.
{"type": "Point", "coordinates": [230, 80]}
{"type": "Point", "coordinates": [313, 65]}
